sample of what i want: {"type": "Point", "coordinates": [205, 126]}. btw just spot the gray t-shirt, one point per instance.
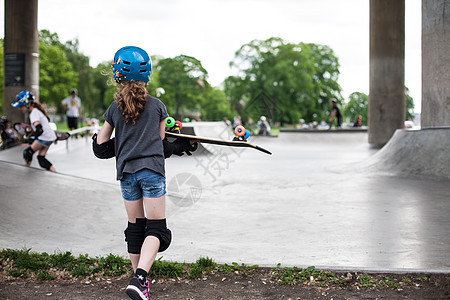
{"type": "Point", "coordinates": [138, 146]}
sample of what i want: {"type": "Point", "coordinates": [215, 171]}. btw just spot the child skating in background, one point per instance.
{"type": "Point", "coordinates": [140, 148]}
{"type": "Point", "coordinates": [43, 135]}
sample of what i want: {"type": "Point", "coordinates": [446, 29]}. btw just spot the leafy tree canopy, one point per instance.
{"type": "Point", "coordinates": [409, 105]}
{"type": "Point", "coordinates": [184, 81]}
{"type": "Point", "coordinates": [79, 65]}
{"type": "Point", "coordinates": [359, 102]}
{"type": "Point", "coordinates": [56, 73]}
{"type": "Point", "coordinates": [357, 105]}
{"type": "Point", "coordinates": [281, 80]}
{"type": "Point", "coordinates": [284, 81]}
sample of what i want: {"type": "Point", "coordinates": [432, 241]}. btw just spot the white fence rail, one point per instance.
{"type": "Point", "coordinates": [84, 130]}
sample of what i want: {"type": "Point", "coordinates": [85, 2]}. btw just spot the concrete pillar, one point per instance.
{"type": "Point", "coordinates": [387, 102]}
{"type": "Point", "coordinates": [21, 53]}
{"type": "Point", "coordinates": [435, 63]}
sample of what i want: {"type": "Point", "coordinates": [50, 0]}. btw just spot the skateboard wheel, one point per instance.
{"type": "Point", "coordinates": [240, 130]}
{"type": "Point", "coordinates": [247, 134]}
{"type": "Point", "coordinates": [178, 124]}
{"type": "Point", "coordinates": [170, 122]}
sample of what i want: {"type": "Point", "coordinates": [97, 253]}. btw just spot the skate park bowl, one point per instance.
{"type": "Point", "coordinates": [423, 152]}
{"type": "Point", "coordinates": [327, 200]}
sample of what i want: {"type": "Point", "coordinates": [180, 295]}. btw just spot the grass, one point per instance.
{"type": "Point", "coordinates": [235, 267]}
{"type": "Point", "coordinates": [294, 276]}
{"type": "Point", "coordinates": [25, 263]}
{"type": "Point", "coordinates": [161, 268]}
{"type": "Point", "coordinates": [64, 265]}
{"type": "Point", "coordinates": [203, 264]}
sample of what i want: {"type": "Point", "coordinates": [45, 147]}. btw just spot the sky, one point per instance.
{"type": "Point", "coordinates": [213, 30]}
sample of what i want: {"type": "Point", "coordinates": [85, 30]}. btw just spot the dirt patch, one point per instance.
{"type": "Point", "coordinates": [257, 284]}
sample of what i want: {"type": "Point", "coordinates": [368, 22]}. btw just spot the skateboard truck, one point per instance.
{"type": "Point", "coordinates": [174, 126]}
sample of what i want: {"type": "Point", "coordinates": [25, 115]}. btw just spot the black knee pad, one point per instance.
{"type": "Point", "coordinates": [28, 154]}
{"type": "Point", "coordinates": [158, 229]}
{"type": "Point", "coordinates": [135, 235]}
{"type": "Point", "coordinates": [43, 162]}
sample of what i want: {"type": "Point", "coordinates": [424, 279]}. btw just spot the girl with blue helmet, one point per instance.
{"type": "Point", "coordinates": [43, 135]}
{"type": "Point", "coordinates": [140, 148]}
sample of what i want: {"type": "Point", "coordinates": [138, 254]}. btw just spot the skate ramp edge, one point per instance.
{"type": "Point", "coordinates": [49, 211]}
{"type": "Point", "coordinates": [323, 137]}
{"type": "Point", "coordinates": [423, 152]}
{"type": "Point", "coordinates": [217, 130]}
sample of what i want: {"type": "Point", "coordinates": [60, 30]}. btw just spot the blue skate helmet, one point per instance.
{"type": "Point", "coordinates": [131, 63]}
{"type": "Point", "coordinates": [23, 98]}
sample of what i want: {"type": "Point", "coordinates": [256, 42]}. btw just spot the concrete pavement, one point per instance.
{"type": "Point", "coordinates": [310, 203]}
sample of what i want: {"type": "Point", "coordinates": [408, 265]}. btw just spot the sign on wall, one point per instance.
{"type": "Point", "coordinates": [14, 69]}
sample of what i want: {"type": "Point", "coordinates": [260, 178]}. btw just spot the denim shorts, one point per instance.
{"type": "Point", "coordinates": [144, 183]}
{"type": "Point", "coordinates": [45, 143]}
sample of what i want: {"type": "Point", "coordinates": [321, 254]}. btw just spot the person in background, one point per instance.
{"type": "Point", "coordinates": [263, 126]}
{"type": "Point", "coordinates": [358, 121]}
{"type": "Point", "coordinates": [43, 135]}
{"type": "Point", "coordinates": [335, 114]}
{"type": "Point", "coordinates": [237, 121]}
{"type": "Point", "coordinates": [227, 122]}
{"type": "Point", "coordinates": [9, 134]}
{"type": "Point", "coordinates": [72, 107]}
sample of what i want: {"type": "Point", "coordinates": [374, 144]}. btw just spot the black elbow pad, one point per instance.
{"type": "Point", "coordinates": [105, 150]}
{"type": "Point", "coordinates": [38, 130]}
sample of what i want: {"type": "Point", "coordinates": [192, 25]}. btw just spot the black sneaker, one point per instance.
{"type": "Point", "coordinates": [136, 291]}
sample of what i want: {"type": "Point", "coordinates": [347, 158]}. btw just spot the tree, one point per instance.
{"type": "Point", "coordinates": [409, 105]}
{"type": "Point", "coordinates": [215, 106]}
{"type": "Point", "coordinates": [359, 102]}
{"type": "Point", "coordinates": [283, 81]}
{"type": "Point", "coordinates": [104, 84]}
{"type": "Point", "coordinates": [184, 80]}
{"type": "Point", "coordinates": [357, 105]}
{"type": "Point", "coordinates": [88, 92]}
{"type": "Point", "coordinates": [56, 74]}
{"type": "Point", "coordinates": [154, 84]}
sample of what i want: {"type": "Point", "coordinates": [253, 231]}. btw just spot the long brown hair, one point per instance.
{"type": "Point", "coordinates": [131, 98]}
{"type": "Point", "coordinates": [40, 107]}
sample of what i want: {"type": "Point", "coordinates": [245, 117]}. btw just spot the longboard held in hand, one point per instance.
{"type": "Point", "coordinates": [240, 140]}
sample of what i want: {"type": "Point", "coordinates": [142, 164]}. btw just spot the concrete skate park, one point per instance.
{"type": "Point", "coordinates": [324, 199]}
{"type": "Point", "coordinates": [333, 200]}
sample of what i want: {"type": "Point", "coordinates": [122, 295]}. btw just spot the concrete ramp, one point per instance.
{"type": "Point", "coordinates": [246, 207]}
{"type": "Point", "coordinates": [423, 152]}
{"type": "Point", "coordinates": [48, 211]}
{"type": "Point", "coordinates": [217, 130]}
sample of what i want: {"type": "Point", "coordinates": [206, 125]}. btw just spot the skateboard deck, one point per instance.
{"type": "Point", "coordinates": [26, 130]}
{"type": "Point", "coordinates": [217, 141]}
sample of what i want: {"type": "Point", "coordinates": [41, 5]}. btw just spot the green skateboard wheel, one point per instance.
{"type": "Point", "coordinates": [170, 122]}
